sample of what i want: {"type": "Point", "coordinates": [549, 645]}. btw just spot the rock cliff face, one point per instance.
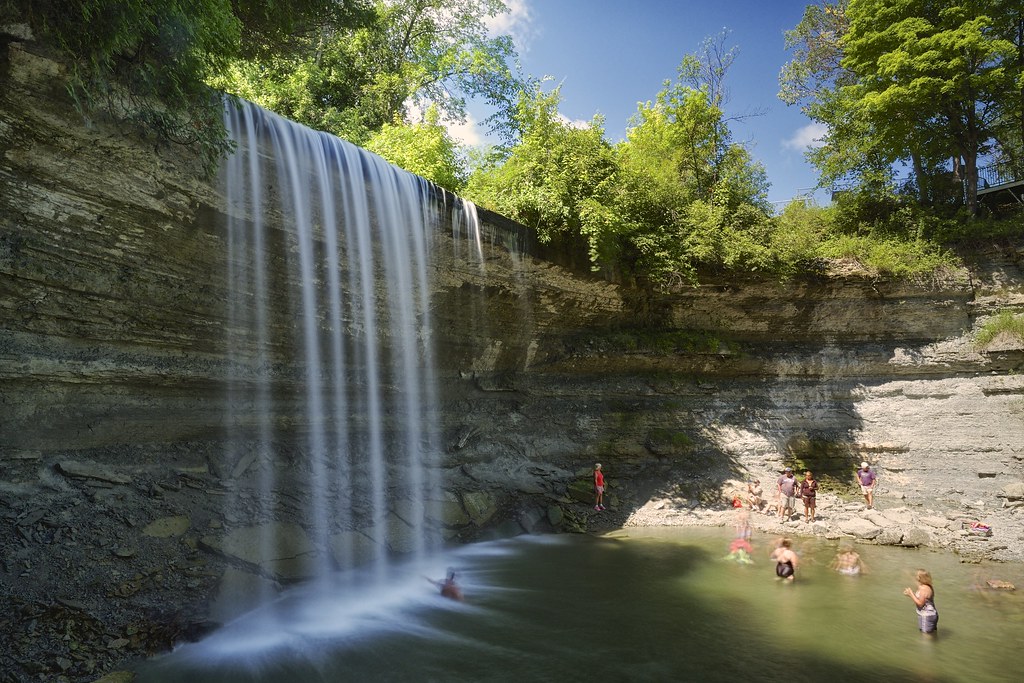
{"type": "Point", "coordinates": [113, 364]}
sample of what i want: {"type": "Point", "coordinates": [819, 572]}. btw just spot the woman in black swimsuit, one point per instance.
{"type": "Point", "coordinates": [785, 560]}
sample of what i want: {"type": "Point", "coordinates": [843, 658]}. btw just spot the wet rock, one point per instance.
{"type": "Point", "coordinates": [167, 527]}
{"type": "Point", "coordinates": [530, 519]}
{"type": "Point", "coordinates": [395, 533]}
{"type": "Point", "coordinates": [117, 677]}
{"type": "Point", "coordinates": [480, 505]}
{"type": "Point", "coordinates": [448, 512]}
{"type": "Point", "coordinates": [352, 549]}
{"type": "Point", "coordinates": [283, 550]}
{"type": "Point", "coordinates": [85, 470]}
{"type": "Point", "coordinates": [555, 515]}
{"type": "Point", "coordinates": [239, 592]}
{"type": "Point", "coordinates": [401, 536]}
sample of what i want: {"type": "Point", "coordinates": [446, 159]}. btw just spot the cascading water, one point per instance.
{"type": "Point", "coordinates": [330, 348]}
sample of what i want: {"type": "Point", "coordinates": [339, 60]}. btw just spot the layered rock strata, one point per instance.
{"type": "Point", "coordinates": [113, 361]}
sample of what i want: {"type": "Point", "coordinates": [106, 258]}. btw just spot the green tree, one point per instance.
{"type": "Point", "coordinates": [914, 81]}
{"type": "Point", "coordinates": [677, 195]}
{"type": "Point", "coordinates": [690, 196]}
{"type": "Point", "coordinates": [425, 149]}
{"type": "Point", "coordinates": [556, 179]}
{"type": "Point", "coordinates": [1008, 17]}
{"type": "Point", "coordinates": [353, 79]}
{"type": "Point", "coordinates": [930, 78]}
{"type": "Point", "coordinates": [147, 62]}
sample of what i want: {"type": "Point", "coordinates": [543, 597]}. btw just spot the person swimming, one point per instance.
{"type": "Point", "coordinates": [740, 550]}
{"type": "Point", "coordinates": [449, 589]}
{"type": "Point", "coordinates": [847, 561]}
{"type": "Point", "coordinates": [786, 560]}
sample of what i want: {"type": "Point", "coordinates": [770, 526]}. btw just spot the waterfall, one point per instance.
{"type": "Point", "coordinates": [331, 396]}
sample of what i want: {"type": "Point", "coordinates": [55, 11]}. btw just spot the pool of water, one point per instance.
{"type": "Point", "coordinates": [639, 605]}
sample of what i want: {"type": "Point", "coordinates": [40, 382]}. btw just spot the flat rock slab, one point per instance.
{"type": "Point", "coordinates": [1014, 490]}
{"type": "Point", "coordinates": [935, 522]}
{"type": "Point", "coordinates": [281, 549]}
{"type": "Point", "coordinates": [861, 528]}
{"type": "Point", "coordinates": [88, 470]}
{"type": "Point", "coordinates": [898, 515]}
{"type": "Point", "coordinates": [167, 527]}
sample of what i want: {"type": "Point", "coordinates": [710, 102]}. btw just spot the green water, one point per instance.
{"type": "Point", "coordinates": [641, 605]}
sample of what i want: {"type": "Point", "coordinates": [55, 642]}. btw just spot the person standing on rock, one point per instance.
{"type": "Point", "coordinates": [924, 600]}
{"type": "Point", "coordinates": [809, 494]}
{"type": "Point", "coordinates": [598, 487]}
{"type": "Point", "coordinates": [787, 494]}
{"type": "Point", "coordinates": [866, 477]}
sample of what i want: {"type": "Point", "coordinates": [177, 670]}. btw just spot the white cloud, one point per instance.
{"type": "Point", "coordinates": [806, 137]}
{"type": "Point", "coordinates": [465, 132]}
{"type": "Point", "coordinates": [516, 22]}
{"type": "Point", "coordinates": [573, 123]}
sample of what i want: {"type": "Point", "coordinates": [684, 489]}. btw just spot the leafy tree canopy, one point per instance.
{"type": "Point", "coordinates": [147, 61]}
{"type": "Point", "coordinates": [352, 79]}
{"type": "Point", "coordinates": [425, 149]}
{"type": "Point", "coordinates": [677, 195]}
{"type": "Point", "coordinates": [913, 81]}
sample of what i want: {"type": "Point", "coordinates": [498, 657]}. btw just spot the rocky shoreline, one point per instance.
{"type": "Point", "coordinates": [91, 582]}
{"type": "Point", "coordinates": [896, 519]}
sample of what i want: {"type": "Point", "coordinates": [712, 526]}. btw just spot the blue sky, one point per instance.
{"type": "Point", "coordinates": [609, 55]}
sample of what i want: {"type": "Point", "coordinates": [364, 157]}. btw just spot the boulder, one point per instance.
{"type": "Point", "coordinates": [87, 470]}
{"type": "Point", "coordinates": [876, 518]}
{"type": "Point", "coordinates": [480, 505]}
{"type": "Point", "coordinates": [555, 515]}
{"type": "Point", "coordinates": [915, 536]}
{"type": "Point", "coordinates": [530, 519]}
{"type": "Point", "coordinates": [582, 490]}
{"type": "Point", "coordinates": [861, 528]}
{"type": "Point", "coordinates": [448, 512]}
{"type": "Point", "coordinates": [1013, 491]}
{"type": "Point", "coordinates": [890, 536]}
{"type": "Point", "coordinates": [935, 522]}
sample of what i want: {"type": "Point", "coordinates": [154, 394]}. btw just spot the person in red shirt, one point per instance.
{"type": "Point", "coordinates": [598, 487]}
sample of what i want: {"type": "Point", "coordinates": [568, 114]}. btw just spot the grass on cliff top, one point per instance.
{"type": "Point", "coordinates": [883, 236]}
{"type": "Point", "coordinates": [1006, 323]}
